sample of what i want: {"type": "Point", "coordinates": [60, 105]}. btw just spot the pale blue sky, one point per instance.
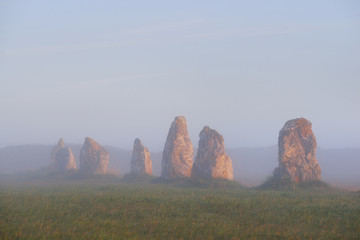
{"type": "Point", "coordinates": [117, 70]}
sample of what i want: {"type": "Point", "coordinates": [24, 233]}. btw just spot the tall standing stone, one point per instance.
{"type": "Point", "coordinates": [58, 146]}
{"type": "Point", "coordinates": [64, 160]}
{"type": "Point", "coordinates": [178, 151]}
{"type": "Point", "coordinates": [211, 160]}
{"type": "Point", "coordinates": [94, 158]}
{"type": "Point", "coordinates": [140, 160]}
{"type": "Point", "coordinates": [297, 152]}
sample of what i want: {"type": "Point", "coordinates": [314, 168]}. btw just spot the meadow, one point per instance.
{"type": "Point", "coordinates": [152, 209]}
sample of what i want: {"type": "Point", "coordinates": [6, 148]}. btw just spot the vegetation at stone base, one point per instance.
{"type": "Point", "coordinates": [136, 178]}
{"type": "Point", "coordinates": [117, 210]}
{"type": "Point", "coordinates": [285, 184]}
{"type": "Point", "coordinates": [198, 183]}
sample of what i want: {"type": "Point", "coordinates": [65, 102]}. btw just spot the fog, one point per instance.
{"type": "Point", "coordinates": [117, 71]}
{"type": "Point", "coordinates": [251, 166]}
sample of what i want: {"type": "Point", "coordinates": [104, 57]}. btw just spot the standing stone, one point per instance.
{"type": "Point", "coordinates": [178, 151]}
{"type": "Point", "coordinates": [140, 160]}
{"type": "Point", "coordinates": [64, 160]}
{"type": "Point", "coordinates": [59, 146]}
{"type": "Point", "coordinates": [94, 158]}
{"type": "Point", "coordinates": [211, 160]}
{"type": "Point", "coordinates": [297, 152]}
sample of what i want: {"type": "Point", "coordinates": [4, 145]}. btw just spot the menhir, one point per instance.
{"type": "Point", "coordinates": [178, 151]}
{"type": "Point", "coordinates": [94, 159]}
{"type": "Point", "coordinates": [57, 147]}
{"type": "Point", "coordinates": [297, 152]}
{"type": "Point", "coordinates": [62, 158]}
{"type": "Point", "coordinates": [140, 160]}
{"type": "Point", "coordinates": [211, 160]}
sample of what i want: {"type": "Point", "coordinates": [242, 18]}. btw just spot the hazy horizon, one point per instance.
{"type": "Point", "coordinates": [195, 145]}
{"type": "Point", "coordinates": [116, 71]}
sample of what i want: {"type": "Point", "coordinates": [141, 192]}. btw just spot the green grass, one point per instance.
{"type": "Point", "coordinates": [113, 209]}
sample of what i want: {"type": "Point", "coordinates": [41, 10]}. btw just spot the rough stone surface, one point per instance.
{"type": "Point", "coordinates": [64, 160]}
{"type": "Point", "coordinates": [178, 151]}
{"type": "Point", "coordinates": [140, 160]}
{"type": "Point", "coordinates": [297, 152]}
{"type": "Point", "coordinates": [58, 146]}
{"type": "Point", "coordinates": [211, 160]}
{"type": "Point", "coordinates": [94, 158]}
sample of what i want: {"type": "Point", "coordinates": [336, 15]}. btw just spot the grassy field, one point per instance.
{"type": "Point", "coordinates": [97, 209]}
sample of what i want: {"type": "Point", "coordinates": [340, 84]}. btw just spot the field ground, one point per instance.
{"type": "Point", "coordinates": [150, 209]}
